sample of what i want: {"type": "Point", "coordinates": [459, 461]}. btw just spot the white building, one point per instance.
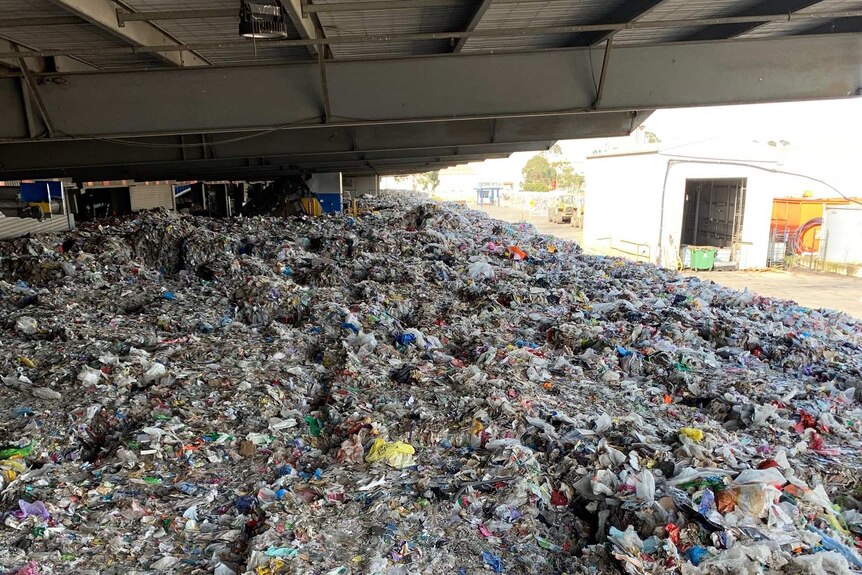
{"type": "Point", "coordinates": [458, 183]}
{"type": "Point", "coordinates": [841, 242]}
{"type": "Point", "coordinates": [647, 204]}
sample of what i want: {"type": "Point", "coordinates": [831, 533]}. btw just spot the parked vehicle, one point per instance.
{"type": "Point", "coordinates": [562, 210]}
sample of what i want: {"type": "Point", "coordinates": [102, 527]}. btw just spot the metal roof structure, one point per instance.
{"type": "Point", "coordinates": [150, 89]}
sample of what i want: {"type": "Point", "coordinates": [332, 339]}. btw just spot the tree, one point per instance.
{"type": "Point", "coordinates": [567, 178]}
{"type": "Point", "coordinates": [429, 181]}
{"type": "Point", "coordinates": [538, 174]}
{"type": "Point", "coordinates": [644, 136]}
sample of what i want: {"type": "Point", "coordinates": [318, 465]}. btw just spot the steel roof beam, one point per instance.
{"type": "Point", "coordinates": [303, 24]}
{"type": "Point", "coordinates": [472, 24]}
{"type": "Point", "coordinates": [36, 64]}
{"type": "Point", "coordinates": [38, 21]}
{"type": "Point", "coordinates": [444, 88]}
{"type": "Point", "coordinates": [39, 64]}
{"type": "Point", "coordinates": [123, 17]}
{"type": "Point", "coordinates": [732, 30]}
{"type": "Point", "coordinates": [267, 167]}
{"type": "Point", "coordinates": [469, 136]}
{"type": "Point", "coordinates": [102, 13]}
{"type": "Point", "coordinates": [629, 12]}
{"type": "Point", "coordinates": [843, 26]}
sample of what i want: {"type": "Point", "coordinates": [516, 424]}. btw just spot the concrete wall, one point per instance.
{"type": "Point", "coordinates": [623, 203]}
{"type": "Point", "coordinates": [358, 186]}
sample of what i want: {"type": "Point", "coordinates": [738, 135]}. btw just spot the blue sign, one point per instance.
{"type": "Point", "coordinates": [40, 191]}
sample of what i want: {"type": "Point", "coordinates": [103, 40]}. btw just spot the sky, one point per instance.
{"type": "Point", "coordinates": [825, 138]}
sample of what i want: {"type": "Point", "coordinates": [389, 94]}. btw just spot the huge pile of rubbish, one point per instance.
{"type": "Point", "coordinates": [420, 389]}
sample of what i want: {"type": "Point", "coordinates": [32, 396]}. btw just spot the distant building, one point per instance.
{"type": "Point", "coordinates": [655, 203]}
{"type": "Point", "coordinates": [458, 183]}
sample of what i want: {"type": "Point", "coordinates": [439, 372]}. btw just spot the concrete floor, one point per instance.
{"type": "Point", "coordinates": [809, 289]}
{"type": "Point", "coordinates": [513, 215]}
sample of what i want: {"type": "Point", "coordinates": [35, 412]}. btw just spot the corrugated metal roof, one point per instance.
{"type": "Point", "coordinates": [260, 53]}
{"type": "Point", "coordinates": [786, 28]}
{"type": "Point", "coordinates": [30, 9]}
{"type": "Point", "coordinates": [213, 30]}
{"type": "Point", "coordinates": [384, 49]}
{"type": "Point", "coordinates": [529, 14]}
{"type": "Point", "coordinates": [81, 36]}
{"type": "Point", "coordinates": [400, 21]}
{"type": "Point", "coordinates": [522, 43]}
{"type": "Point", "coordinates": [534, 14]}
{"type": "Point", "coordinates": [500, 14]}
{"type": "Point", "coordinates": [681, 10]}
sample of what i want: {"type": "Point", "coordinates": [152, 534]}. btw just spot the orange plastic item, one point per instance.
{"type": "Point", "coordinates": [725, 501]}
{"type": "Point", "coordinates": [517, 253]}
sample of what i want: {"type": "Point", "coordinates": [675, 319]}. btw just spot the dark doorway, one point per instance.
{"type": "Point", "coordinates": [97, 203]}
{"type": "Point", "coordinates": [713, 212]}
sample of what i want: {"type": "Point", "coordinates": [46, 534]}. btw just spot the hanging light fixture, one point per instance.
{"type": "Point", "coordinates": [262, 19]}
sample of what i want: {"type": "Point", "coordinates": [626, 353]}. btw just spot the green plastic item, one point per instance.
{"type": "Point", "coordinates": [314, 425]}
{"type": "Point", "coordinates": [703, 258]}
{"type": "Point", "coordinates": [13, 451]}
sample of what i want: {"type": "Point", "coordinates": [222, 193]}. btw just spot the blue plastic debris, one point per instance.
{"type": "Point", "coordinates": [21, 411]}
{"type": "Point", "coordinates": [492, 561]}
{"type": "Point", "coordinates": [169, 295]}
{"type": "Point", "coordinates": [707, 502]}
{"type": "Point", "coordinates": [245, 503]}
{"type": "Point", "coordinates": [830, 544]}
{"type": "Point", "coordinates": [696, 554]}
{"type": "Point", "coordinates": [405, 339]}
{"type": "Point", "coordinates": [351, 326]}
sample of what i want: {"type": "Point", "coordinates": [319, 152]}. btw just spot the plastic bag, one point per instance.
{"type": "Point", "coordinates": [692, 433]}
{"type": "Point", "coordinates": [27, 325]}
{"type": "Point", "coordinates": [46, 393]}
{"type": "Point", "coordinates": [769, 476]}
{"type": "Point", "coordinates": [156, 371]}
{"type": "Point", "coordinates": [480, 270]}
{"type": "Point", "coordinates": [645, 486]}
{"type": "Point", "coordinates": [398, 454]}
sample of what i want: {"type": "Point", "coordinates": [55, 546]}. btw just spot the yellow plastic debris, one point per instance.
{"type": "Point", "coordinates": [692, 433]}
{"type": "Point", "coordinates": [26, 362]}
{"type": "Point", "coordinates": [398, 454]}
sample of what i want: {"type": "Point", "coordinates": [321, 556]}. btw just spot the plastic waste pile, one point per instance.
{"type": "Point", "coordinates": [418, 390]}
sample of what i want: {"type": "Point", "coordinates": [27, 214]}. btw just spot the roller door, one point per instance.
{"type": "Point", "coordinates": [147, 197]}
